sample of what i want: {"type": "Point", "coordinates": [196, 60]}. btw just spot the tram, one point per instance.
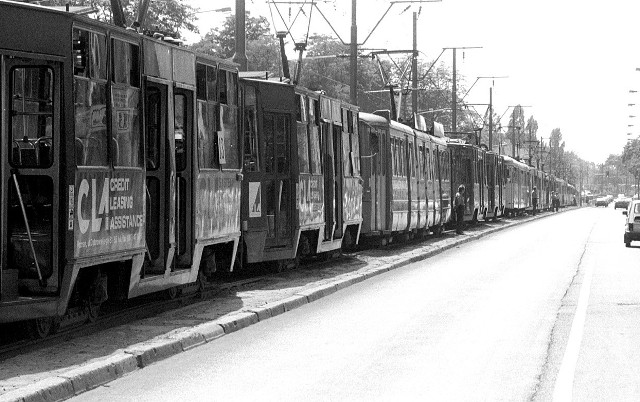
{"type": "Point", "coordinates": [407, 179]}
{"type": "Point", "coordinates": [123, 162]}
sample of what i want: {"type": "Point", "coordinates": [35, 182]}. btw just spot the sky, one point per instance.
{"type": "Point", "coordinates": [573, 62]}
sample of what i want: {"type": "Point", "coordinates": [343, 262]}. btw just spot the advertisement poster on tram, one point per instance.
{"type": "Point", "coordinates": [107, 212]}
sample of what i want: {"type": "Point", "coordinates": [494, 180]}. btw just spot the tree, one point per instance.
{"type": "Point", "coordinates": [168, 16]}
{"type": "Point", "coordinates": [515, 130]}
{"type": "Point", "coordinates": [221, 42]}
{"type": "Point", "coordinates": [556, 152]}
{"type": "Point", "coordinates": [531, 138]}
{"type": "Point", "coordinates": [631, 159]}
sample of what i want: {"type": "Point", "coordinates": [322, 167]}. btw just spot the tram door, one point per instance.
{"type": "Point", "coordinates": [328, 138]}
{"type": "Point", "coordinates": [183, 129]}
{"type": "Point", "coordinates": [337, 180]}
{"type": "Point", "coordinates": [490, 170]}
{"type": "Point", "coordinates": [160, 180]}
{"type": "Point", "coordinates": [30, 132]}
{"type": "Point", "coordinates": [277, 192]}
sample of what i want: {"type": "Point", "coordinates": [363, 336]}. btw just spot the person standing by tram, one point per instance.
{"type": "Point", "coordinates": [459, 205]}
{"type": "Point", "coordinates": [534, 199]}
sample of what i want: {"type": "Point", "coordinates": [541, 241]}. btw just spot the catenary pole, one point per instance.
{"type": "Point", "coordinates": [353, 78]}
{"type": "Point", "coordinates": [414, 68]}
{"type": "Point", "coordinates": [491, 118]}
{"type": "Point", "coordinates": [240, 56]}
{"type": "Point", "coordinates": [454, 106]}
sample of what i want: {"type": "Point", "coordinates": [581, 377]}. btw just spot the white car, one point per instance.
{"type": "Point", "coordinates": [632, 225]}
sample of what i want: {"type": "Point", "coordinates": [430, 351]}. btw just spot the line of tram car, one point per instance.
{"type": "Point", "coordinates": [409, 176]}
{"type": "Point", "coordinates": [132, 166]}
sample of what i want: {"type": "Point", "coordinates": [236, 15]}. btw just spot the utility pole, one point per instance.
{"type": "Point", "coordinates": [454, 94]}
{"type": "Point", "coordinates": [414, 68]}
{"type": "Point", "coordinates": [454, 105]}
{"type": "Point", "coordinates": [513, 141]}
{"type": "Point", "coordinates": [353, 75]}
{"type": "Point", "coordinates": [240, 56]}
{"type": "Point", "coordinates": [530, 142]}
{"type": "Point", "coordinates": [491, 119]}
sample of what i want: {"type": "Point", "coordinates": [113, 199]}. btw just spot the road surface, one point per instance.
{"type": "Point", "coordinates": [547, 310]}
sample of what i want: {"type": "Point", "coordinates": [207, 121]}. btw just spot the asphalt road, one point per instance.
{"type": "Point", "coordinates": [546, 310]}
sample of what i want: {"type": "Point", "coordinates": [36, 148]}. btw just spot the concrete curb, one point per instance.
{"type": "Point", "coordinates": [86, 377]}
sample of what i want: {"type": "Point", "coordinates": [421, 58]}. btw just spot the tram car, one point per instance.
{"type": "Point", "coordinates": [406, 178]}
{"type": "Point", "coordinates": [516, 190]}
{"type": "Point", "coordinates": [301, 173]}
{"type": "Point", "coordinates": [123, 162]}
{"type": "Point", "coordinates": [468, 168]}
{"type": "Point", "coordinates": [494, 165]}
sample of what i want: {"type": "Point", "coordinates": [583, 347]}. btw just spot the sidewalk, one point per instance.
{"type": "Point", "coordinates": [81, 364]}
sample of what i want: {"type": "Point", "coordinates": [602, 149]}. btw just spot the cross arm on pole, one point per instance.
{"type": "Point", "coordinates": [389, 8]}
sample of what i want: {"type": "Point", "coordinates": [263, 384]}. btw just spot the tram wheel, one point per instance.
{"type": "Point", "coordinates": [437, 231]}
{"type": "Point", "coordinates": [628, 244]}
{"type": "Point", "coordinates": [172, 292]}
{"type": "Point", "coordinates": [201, 281]}
{"type": "Point", "coordinates": [40, 328]}
{"type": "Point", "coordinates": [93, 311]}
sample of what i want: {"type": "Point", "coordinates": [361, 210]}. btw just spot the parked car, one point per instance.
{"type": "Point", "coordinates": [632, 226]}
{"type": "Point", "coordinates": [621, 202]}
{"type": "Point", "coordinates": [602, 202]}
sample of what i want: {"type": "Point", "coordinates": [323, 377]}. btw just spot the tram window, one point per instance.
{"type": "Point", "coordinates": [90, 100]}
{"type": "Point", "coordinates": [301, 108]}
{"type": "Point", "coordinates": [126, 66]}
{"type": "Point", "coordinates": [31, 116]}
{"type": "Point", "coordinates": [303, 148]}
{"type": "Point", "coordinates": [207, 136]}
{"type": "Point", "coordinates": [346, 152]}
{"type": "Point", "coordinates": [423, 155]}
{"type": "Point", "coordinates": [314, 149]}
{"type": "Point", "coordinates": [281, 137]}
{"type": "Point", "coordinates": [302, 133]}
{"type": "Point", "coordinates": [212, 79]}
{"type": "Point", "coordinates": [180, 130]}
{"type": "Point", "coordinates": [229, 154]}
{"type": "Point", "coordinates": [89, 54]}
{"type": "Point", "coordinates": [201, 81]}
{"type": "Point", "coordinates": [401, 159]}
{"type": "Point", "coordinates": [398, 162]}
{"type": "Point", "coordinates": [316, 111]}
{"type": "Point", "coordinates": [394, 162]}
{"type": "Point", "coordinates": [412, 159]}
{"type": "Point", "coordinates": [349, 122]}
{"type": "Point", "coordinates": [427, 164]}
{"type": "Point", "coordinates": [324, 132]}
{"type": "Point", "coordinates": [222, 87]}
{"type": "Point", "coordinates": [311, 109]}
{"type": "Point", "coordinates": [269, 133]}
{"type": "Point", "coordinates": [392, 146]}
{"type": "Point", "coordinates": [126, 144]}
{"type": "Point", "coordinates": [355, 153]}
{"type": "Point", "coordinates": [251, 155]}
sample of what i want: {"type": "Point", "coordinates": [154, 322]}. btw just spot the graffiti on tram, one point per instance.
{"type": "Point", "coordinates": [217, 205]}
{"type": "Point", "coordinates": [106, 212]}
{"type": "Point", "coordinates": [310, 199]}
